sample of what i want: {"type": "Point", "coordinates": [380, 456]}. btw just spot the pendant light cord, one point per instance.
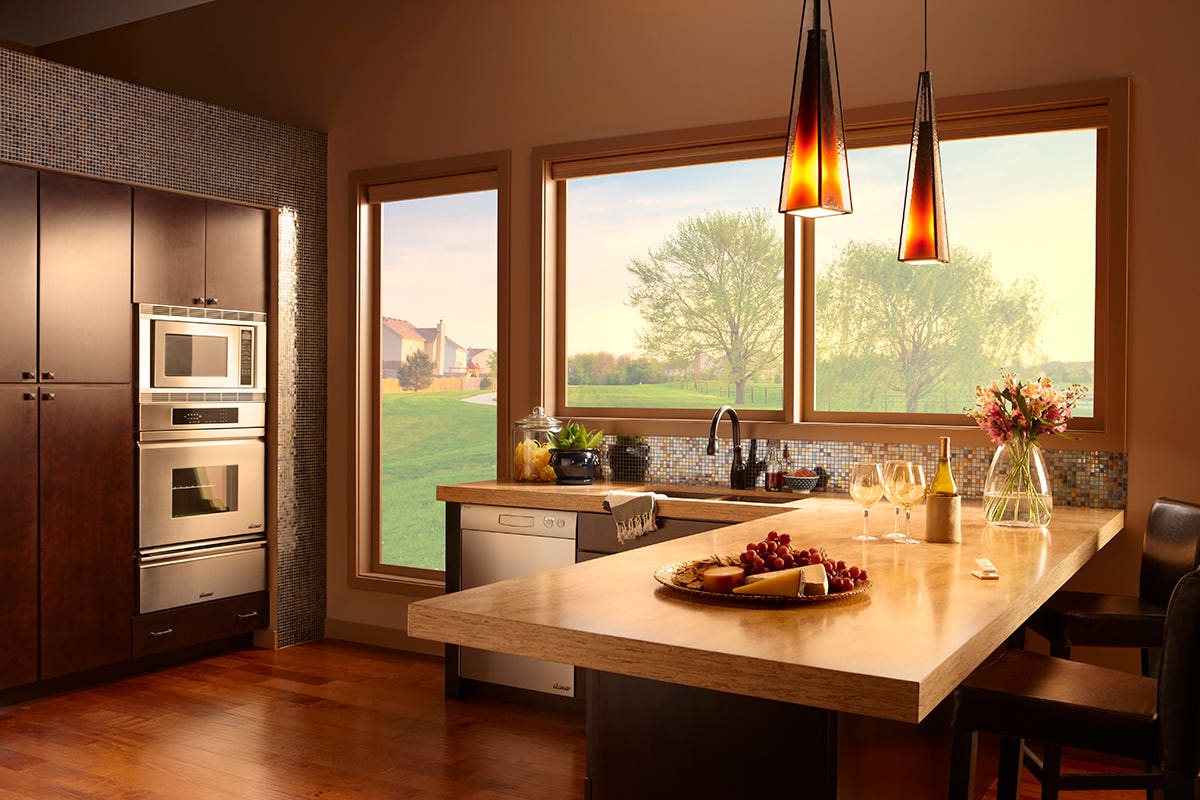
{"type": "Point", "coordinates": [926, 35]}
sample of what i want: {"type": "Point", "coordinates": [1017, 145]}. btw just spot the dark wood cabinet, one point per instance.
{"type": "Point", "coordinates": [188, 251]}
{"type": "Point", "coordinates": [235, 256]}
{"type": "Point", "coordinates": [85, 319]}
{"type": "Point", "coordinates": [19, 534]}
{"type": "Point", "coordinates": [18, 273]}
{"type": "Point", "coordinates": [205, 622]}
{"type": "Point", "coordinates": [87, 526]}
{"type": "Point", "coordinates": [168, 248]}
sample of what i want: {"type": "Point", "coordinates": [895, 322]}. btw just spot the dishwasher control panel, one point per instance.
{"type": "Point", "coordinates": [528, 521]}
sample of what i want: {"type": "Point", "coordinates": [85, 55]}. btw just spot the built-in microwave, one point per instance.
{"type": "Point", "coordinates": [201, 349]}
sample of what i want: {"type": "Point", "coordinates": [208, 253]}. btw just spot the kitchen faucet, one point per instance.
{"type": "Point", "coordinates": [737, 470]}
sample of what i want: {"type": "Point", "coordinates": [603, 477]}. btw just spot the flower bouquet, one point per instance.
{"type": "Point", "coordinates": [1013, 415]}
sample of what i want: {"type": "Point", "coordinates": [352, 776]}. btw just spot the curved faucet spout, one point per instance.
{"type": "Point", "coordinates": [737, 470]}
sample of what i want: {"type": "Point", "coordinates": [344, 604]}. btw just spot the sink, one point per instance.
{"type": "Point", "coordinates": [773, 497]}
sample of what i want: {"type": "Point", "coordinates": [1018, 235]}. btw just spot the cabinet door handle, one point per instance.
{"type": "Point", "coordinates": [212, 301]}
{"type": "Point", "coordinates": [28, 375]}
{"type": "Point", "coordinates": [47, 395]}
{"type": "Point", "coordinates": [47, 376]}
{"type": "Point", "coordinates": [251, 615]}
{"type": "Point", "coordinates": [30, 396]}
{"type": "Point", "coordinates": [162, 632]}
{"type": "Point", "coordinates": [199, 301]}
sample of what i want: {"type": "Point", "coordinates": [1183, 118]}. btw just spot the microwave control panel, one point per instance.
{"type": "Point", "coordinates": [247, 358]}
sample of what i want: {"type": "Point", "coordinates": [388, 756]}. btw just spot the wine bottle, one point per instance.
{"type": "Point", "coordinates": [943, 482]}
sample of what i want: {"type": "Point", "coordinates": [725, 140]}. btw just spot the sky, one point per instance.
{"type": "Point", "coordinates": [438, 262]}
{"type": "Point", "coordinates": [1028, 200]}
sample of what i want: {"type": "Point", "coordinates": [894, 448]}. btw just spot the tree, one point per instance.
{"type": "Point", "coordinates": [715, 288]}
{"type": "Point", "coordinates": [920, 331]}
{"type": "Point", "coordinates": [416, 373]}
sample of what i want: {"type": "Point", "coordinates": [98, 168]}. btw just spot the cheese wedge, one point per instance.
{"type": "Point", "coordinates": [762, 576]}
{"type": "Point", "coordinates": [784, 583]}
{"type": "Point", "coordinates": [814, 580]}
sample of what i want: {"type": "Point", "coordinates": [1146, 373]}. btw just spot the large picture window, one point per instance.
{"type": "Point", "coordinates": [1019, 291]}
{"type": "Point", "coordinates": [649, 240]}
{"type": "Point", "coordinates": [674, 288]}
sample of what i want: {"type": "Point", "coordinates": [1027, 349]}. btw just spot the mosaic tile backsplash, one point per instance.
{"type": "Point", "coordinates": [1079, 478]}
{"type": "Point", "coordinates": [57, 117]}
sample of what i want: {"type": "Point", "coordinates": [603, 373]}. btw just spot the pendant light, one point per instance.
{"type": "Point", "coordinates": [816, 180]}
{"type": "Point", "coordinates": [923, 227]}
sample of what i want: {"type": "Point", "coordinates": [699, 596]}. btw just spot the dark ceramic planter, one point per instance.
{"type": "Point", "coordinates": [574, 467]}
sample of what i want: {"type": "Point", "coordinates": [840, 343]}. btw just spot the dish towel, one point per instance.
{"type": "Point", "coordinates": [633, 512]}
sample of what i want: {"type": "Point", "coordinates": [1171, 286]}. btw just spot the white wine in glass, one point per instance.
{"type": "Point", "coordinates": [866, 487]}
{"type": "Point", "coordinates": [888, 468]}
{"type": "Point", "coordinates": [908, 487]}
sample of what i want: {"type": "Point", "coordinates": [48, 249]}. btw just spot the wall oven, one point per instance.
{"type": "Point", "coordinates": [206, 487]}
{"type": "Point", "coordinates": [205, 349]}
{"type": "Point", "coordinates": [201, 456]}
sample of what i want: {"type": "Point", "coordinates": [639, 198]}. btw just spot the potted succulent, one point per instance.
{"type": "Point", "coordinates": [574, 453]}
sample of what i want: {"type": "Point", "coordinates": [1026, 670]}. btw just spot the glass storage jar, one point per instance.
{"type": "Point", "coordinates": [531, 446]}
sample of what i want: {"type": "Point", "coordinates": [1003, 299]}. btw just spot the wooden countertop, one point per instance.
{"type": "Point", "coordinates": [894, 652]}
{"type": "Point", "coordinates": [591, 498]}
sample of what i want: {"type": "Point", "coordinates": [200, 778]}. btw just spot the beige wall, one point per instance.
{"type": "Point", "coordinates": [393, 82]}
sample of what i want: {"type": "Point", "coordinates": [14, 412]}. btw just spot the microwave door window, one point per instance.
{"type": "Point", "coordinates": [188, 355]}
{"type": "Point", "coordinates": [196, 491]}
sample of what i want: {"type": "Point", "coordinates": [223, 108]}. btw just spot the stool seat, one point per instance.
{"type": "Point", "coordinates": [1030, 695]}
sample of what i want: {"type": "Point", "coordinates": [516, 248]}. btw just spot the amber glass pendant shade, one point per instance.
{"type": "Point", "coordinates": [816, 180]}
{"type": "Point", "coordinates": [923, 228]}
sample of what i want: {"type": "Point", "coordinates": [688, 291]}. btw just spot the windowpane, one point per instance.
{"type": "Point", "coordinates": [1019, 292]}
{"type": "Point", "coordinates": [674, 288]}
{"type": "Point", "coordinates": [437, 287]}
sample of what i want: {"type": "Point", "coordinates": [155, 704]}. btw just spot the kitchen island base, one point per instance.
{"type": "Point", "coordinates": [651, 739]}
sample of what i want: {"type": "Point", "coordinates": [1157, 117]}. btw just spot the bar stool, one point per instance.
{"type": "Point", "coordinates": [1170, 549]}
{"type": "Point", "coordinates": [1023, 695]}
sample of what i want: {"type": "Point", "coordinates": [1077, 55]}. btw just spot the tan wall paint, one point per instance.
{"type": "Point", "coordinates": [393, 82]}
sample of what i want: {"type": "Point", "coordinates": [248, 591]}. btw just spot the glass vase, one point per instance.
{"type": "Point", "coordinates": [1017, 489]}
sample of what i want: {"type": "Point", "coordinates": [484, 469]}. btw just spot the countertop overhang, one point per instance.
{"type": "Point", "coordinates": [895, 652]}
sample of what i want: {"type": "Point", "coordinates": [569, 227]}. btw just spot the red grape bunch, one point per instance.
{"type": "Point", "coordinates": [776, 552]}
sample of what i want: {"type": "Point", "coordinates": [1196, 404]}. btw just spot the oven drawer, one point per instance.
{"type": "Point", "coordinates": [206, 622]}
{"type": "Point", "coordinates": [201, 574]}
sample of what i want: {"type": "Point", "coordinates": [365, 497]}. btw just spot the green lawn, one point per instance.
{"type": "Point", "coordinates": [707, 394]}
{"type": "Point", "coordinates": [428, 439]}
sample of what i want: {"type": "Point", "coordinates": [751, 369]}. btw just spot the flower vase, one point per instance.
{"type": "Point", "coordinates": [1016, 492]}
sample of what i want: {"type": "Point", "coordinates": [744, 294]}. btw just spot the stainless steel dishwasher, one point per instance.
{"type": "Point", "coordinates": [500, 543]}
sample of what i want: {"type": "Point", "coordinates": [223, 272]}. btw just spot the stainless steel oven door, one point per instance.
{"type": "Point", "coordinates": [200, 489]}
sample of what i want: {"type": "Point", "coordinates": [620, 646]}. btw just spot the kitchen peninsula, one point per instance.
{"type": "Point", "coordinates": [852, 687]}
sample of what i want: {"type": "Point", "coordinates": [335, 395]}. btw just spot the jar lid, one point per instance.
{"type": "Point", "coordinates": [538, 420]}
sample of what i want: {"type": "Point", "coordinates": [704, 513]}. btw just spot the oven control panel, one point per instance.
{"type": "Point", "coordinates": [221, 415]}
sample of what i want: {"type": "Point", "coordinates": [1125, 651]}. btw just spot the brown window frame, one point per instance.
{"type": "Point", "coordinates": [369, 190]}
{"type": "Point", "coordinates": [1102, 105]}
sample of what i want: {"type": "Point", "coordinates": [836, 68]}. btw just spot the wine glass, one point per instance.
{"type": "Point", "coordinates": [888, 467]}
{"type": "Point", "coordinates": [905, 484]}
{"type": "Point", "coordinates": [866, 486]}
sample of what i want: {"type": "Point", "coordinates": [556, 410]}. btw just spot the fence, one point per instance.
{"type": "Point", "coordinates": [761, 395]}
{"type": "Point", "coordinates": [391, 385]}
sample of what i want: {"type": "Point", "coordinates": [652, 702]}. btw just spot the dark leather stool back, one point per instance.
{"type": "Point", "coordinates": [1179, 688]}
{"type": "Point", "coordinates": [1171, 548]}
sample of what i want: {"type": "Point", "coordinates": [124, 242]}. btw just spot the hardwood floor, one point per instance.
{"type": "Point", "coordinates": [322, 720]}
